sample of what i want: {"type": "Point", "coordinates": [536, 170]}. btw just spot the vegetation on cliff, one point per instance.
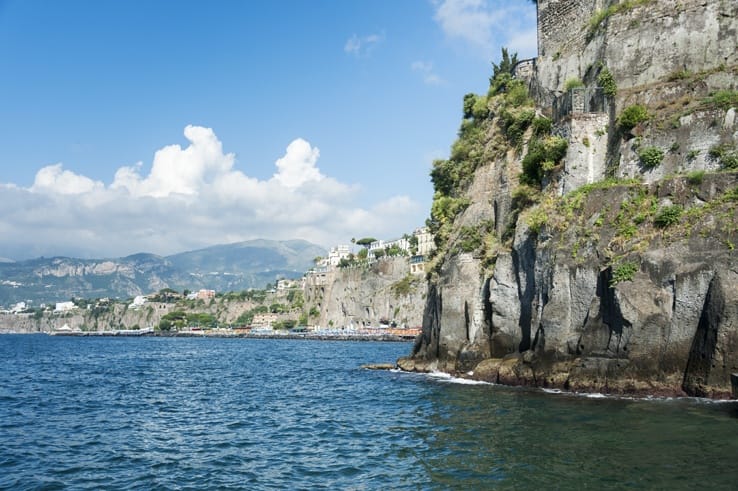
{"type": "Point", "coordinates": [586, 217]}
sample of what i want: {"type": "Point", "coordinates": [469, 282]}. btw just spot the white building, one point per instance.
{"type": "Point", "coordinates": [402, 243]}
{"type": "Point", "coordinates": [64, 306]}
{"type": "Point", "coordinates": [337, 253]}
{"type": "Point", "coordinates": [375, 246]}
{"type": "Point", "coordinates": [286, 284]}
{"type": "Point", "coordinates": [19, 307]}
{"type": "Point", "coordinates": [425, 241]}
{"type": "Point", "coordinates": [138, 301]}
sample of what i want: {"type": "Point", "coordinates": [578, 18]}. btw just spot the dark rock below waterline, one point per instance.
{"type": "Point", "coordinates": [379, 366]}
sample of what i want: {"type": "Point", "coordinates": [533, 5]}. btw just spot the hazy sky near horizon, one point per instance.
{"type": "Point", "coordinates": [168, 125]}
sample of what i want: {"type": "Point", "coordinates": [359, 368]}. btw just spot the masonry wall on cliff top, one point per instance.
{"type": "Point", "coordinates": [640, 44]}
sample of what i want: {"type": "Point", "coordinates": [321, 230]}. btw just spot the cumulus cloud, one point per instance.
{"type": "Point", "coordinates": [425, 69]}
{"type": "Point", "coordinates": [362, 46]}
{"type": "Point", "coordinates": [54, 179]}
{"type": "Point", "coordinates": [191, 197]}
{"type": "Point", "coordinates": [298, 165]}
{"type": "Point", "coordinates": [176, 170]}
{"type": "Point", "coordinates": [489, 24]}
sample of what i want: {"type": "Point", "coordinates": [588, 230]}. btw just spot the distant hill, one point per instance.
{"type": "Point", "coordinates": [237, 266]}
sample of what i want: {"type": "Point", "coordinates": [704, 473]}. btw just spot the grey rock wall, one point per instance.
{"type": "Point", "coordinates": [357, 297]}
{"type": "Point", "coordinates": [551, 311]}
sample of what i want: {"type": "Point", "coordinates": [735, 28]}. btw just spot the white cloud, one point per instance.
{"type": "Point", "coordinates": [191, 197]}
{"type": "Point", "coordinates": [362, 46]}
{"type": "Point", "coordinates": [54, 179]}
{"type": "Point", "coordinates": [425, 68]}
{"type": "Point", "coordinates": [178, 171]}
{"type": "Point", "coordinates": [489, 24]}
{"type": "Point", "coordinates": [298, 165]}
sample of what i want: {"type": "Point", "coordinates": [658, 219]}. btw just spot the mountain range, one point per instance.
{"type": "Point", "coordinates": [228, 267]}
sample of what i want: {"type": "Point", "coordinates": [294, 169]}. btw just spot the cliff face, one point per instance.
{"type": "Point", "coordinates": [384, 292]}
{"type": "Point", "coordinates": [615, 270]}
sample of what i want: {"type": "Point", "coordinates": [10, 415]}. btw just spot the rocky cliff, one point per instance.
{"type": "Point", "coordinates": [384, 292]}
{"type": "Point", "coordinates": [586, 217]}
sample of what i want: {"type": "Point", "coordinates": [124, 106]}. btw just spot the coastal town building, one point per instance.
{"type": "Point", "coordinates": [417, 264]}
{"type": "Point", "coordinates": [287, 284]}
{"type": "Point", "coordinates": [205, 294]}
{"type": "Point", "coordinates": [402, 244]}
{"type": "Point", "coordinates": [426, 244]}
{"type": "Point", "coordinates": [317, 276]}
{"type": "Point", "coordinates": [337, 253]}
{"type": "Point", "coordinates": [420, 243]}
{"type": "Point", "coordinates": [19, 307]}
{"type": "Point", "coordinates": [417, 247]}
{"type": "Point", "coordinates": [64, 307]}
{"type": "Point", "coordinates": [201, 295]}
{"type": "Point", "coordinates": [264, 320]}
{"type": "Point", "coordinates": [138, 302]}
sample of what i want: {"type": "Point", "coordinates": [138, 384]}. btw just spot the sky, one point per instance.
{"type": "Point", "coordinates": [163, 126]}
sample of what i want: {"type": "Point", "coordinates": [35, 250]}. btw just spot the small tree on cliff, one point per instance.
{"type": "Point", "coordinates": [506, 66]}
{"type": "Point", "coordinates": [502, 74]}
{"type": "Point", "coordinates": [366, 241]}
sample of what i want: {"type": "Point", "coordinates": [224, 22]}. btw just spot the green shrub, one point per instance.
{"type": "Point", "coordinates": [650, 157]}
{"type": "Point", "coordinates": [679, 75]}
{"type": "Point", "coordinates": [480, 110]}
{"type": "Point", "coordinates": [470, 239]}
{"type": "Point", "coordinates": [517, 94]}
{"type": "Point", "coordinates": [469, 100]}
{"type": "Point", "coordinates": [404, 286]}
{"type": "Point", "coordinates": [445, 208]}
{"type": "Point", "coordinates": [573, 83]}
{"type": "Point", "coordinates": [724, 99]}
{"type": "Point", "coordinates": [632, 115]}
{"type": "Point", "coordinates": [536, 220]}
{"type": "Point", "coordinates": [726, 155]}
{"type": "Point", "coordinates": [514, 124]}
{"type": "Point", "coordinates": [475, 106]}
{"type": "Point", "coordinates": [717, 152]}
{"type": "Point", "coordinates": [542, 156]}
{"type": "Point", "coordinates": [730, 161]}
{"type": "Point", "coordinates": [607, 82]}
{"type": "Point", "coordinates": [524, 196]}
{"type": "Point", "coordinates": [499, 84]}
{"type": "Point", "coordinates": [624, 271]}
{"type": "Point", "coordinates": [695, 178]}
{"type": "Point", "coordinates": [668, 215]}
{"type": "Point", "coordinates": [444, 175]}
{"type": "Point", "coordinates": [542, 126]}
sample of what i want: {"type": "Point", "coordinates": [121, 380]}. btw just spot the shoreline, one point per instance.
{"type": "Point", "coordinates": [497, 372]}
{"type": "Point", "coordinates": [202, 334]}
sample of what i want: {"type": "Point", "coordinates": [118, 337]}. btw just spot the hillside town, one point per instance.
{"type": "Point", "coordinates": [280, 309]}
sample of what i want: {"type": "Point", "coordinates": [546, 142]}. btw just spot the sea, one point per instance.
{"type": "Point", "coordinates": [216, 413]}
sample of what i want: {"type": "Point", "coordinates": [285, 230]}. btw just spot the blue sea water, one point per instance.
{"type": "Point", "coordinates": [183, 413]}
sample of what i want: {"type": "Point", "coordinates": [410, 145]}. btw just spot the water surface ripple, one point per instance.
{"type": "Point", "coordinates": [163, 413]}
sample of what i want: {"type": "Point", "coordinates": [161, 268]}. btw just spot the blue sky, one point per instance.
{"type": "Point", "coordinates": [163, 126]}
